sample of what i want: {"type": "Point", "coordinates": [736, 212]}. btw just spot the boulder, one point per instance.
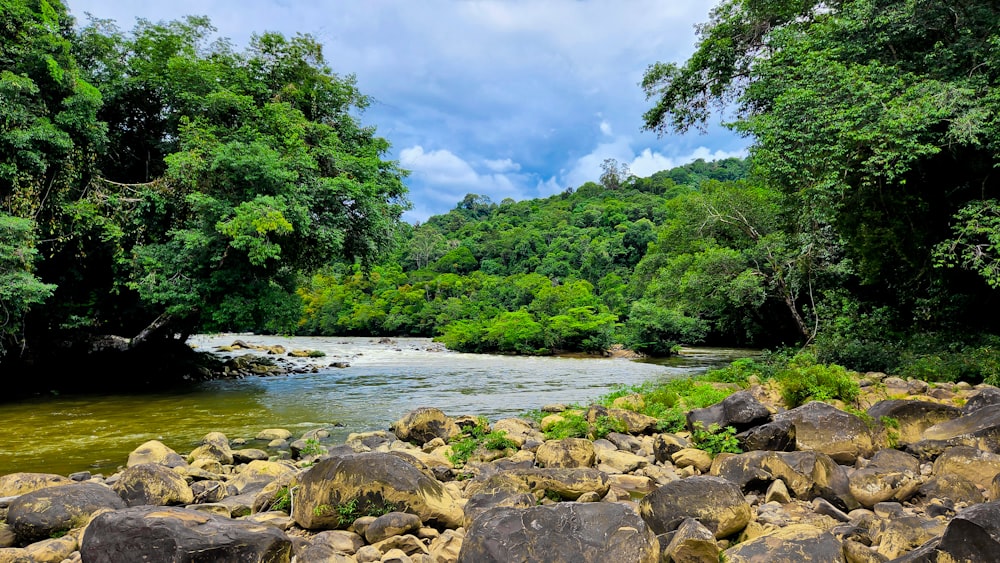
{"type": "Point", "coordinates": [424, 424]}
{"type": "Point", "coordinates": [823, 428]}
{"type": "Point", "coordinates": [716, 503]}
{"type": "Point", "coordinates": [568, 452]}
{"type": "Point", "coordinates": [370, 481]}
{"type": "Point", "coordinates": [971, 463]}
{"type": "Point", "coordinates": [985, 397]}
{"type": "Point", "coordinates": [54, 550]}
{"type": "Point", "coordinates": [269, 434]}
{"type": "Point", "coordinates": [796, 543]}
{"type": "Point", "coordinates": [567, 532]}
{"type": "Point", "coordinates": [391, 524]}
{"type": "Point", "coordinates": [692, 543]}
{"type": "Point", "coordinates": [53, 510]}
{"type": "Point", "coordinates": [152, 484]}
{"type": "Point", "coordinates": [566, 483]}
{"type": "Point", "coordinates": [215, 446]}
{"type": "Point", "coordinates": [154, 451]}
{"type": "Point", "coordinates": [954, 488]}
{"type": "Point", "coordinates": [980, 429]}
{"type": "Point", "coordinates": [912, 417]}
{"type": "Point", "coordinates": [666, 445]}
{"type": "Point", "coordinates": [777, 436]}
{"type": "Point", "coordinates": [972, 535]}
{"type": "Point", "coordinates": [891, 475]}
{"type": "Point", "coordinates": [171, 534]}
{"type": "Point", "coordinates": [741, 410]}
{"type": "Point", "coordinates": [484, 502]}
{"type": "Point", "coordinates": [518, 430]}
{"type": "Point", "coordinates": [16, 484]}
{"type": "Point", "coordinates": [257, 474]}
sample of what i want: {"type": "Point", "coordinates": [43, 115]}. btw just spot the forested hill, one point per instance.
{"type": "Point", "coordinates": [532, 276]}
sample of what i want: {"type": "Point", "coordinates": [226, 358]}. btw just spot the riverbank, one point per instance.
{"type": "Point", "coordinates": [904, 471]}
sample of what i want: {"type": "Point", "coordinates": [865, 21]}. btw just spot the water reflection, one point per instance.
{"type": "Point", "coordinates": [383, 382]}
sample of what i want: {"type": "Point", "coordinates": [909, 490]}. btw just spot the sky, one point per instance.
{"type": "Point", "coordinates": [502, 98]}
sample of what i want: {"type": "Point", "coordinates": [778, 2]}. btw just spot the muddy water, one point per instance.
{"type": "Point", "coordinates": [384, 381]}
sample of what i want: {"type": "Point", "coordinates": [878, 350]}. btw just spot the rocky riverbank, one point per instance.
{"type": "Point", "coordinates": [914, 475]}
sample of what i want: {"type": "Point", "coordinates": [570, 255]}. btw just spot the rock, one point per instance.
{"type": "Point", "coordinates": [635, 423]}
{"type": "Point", "coordinates": [483, 502]}
{"type": "Point", "coordinates": [973, 464]}
{"type": "Point", "coordinates": [52, 550]}
{"type": "Point", "coordinates": [208, 491]}
{"type": "Point", "coordinates": [796, 543]}
{"type": "Point", "coordinates": [693, 457]}
{"type": "Point", "coordinates": [566, 532]}
{"type": "Point", "coordinates": [980, 429]}
{"type": "Point", "coordinates": [408, 544]}
{"type": "Point", "coordinates": [246, 455]}
{"type": "Point", "coordinates": [152, 484]}
{"type": "Point", "coordinates": [257, 474]}
{"type": "Point", "coordinates": [666, 445]}
{"type": "Point", "coordinates": [741, 410]}
{"type": "Point", "coordinates": [370, 441]}
{"type": "Point", "coordinates": [619, 461]}
{"type": "Point", "coordinates": [900, 534]}
{"type": "Point", "coordinates": [777, 492]}
{"type": "Point", "coordinates": [215, 446]}
{"type": "Point", "coordinates": [716, 503]}
{"type": "Point", "coordinates": [568, 452]}
{"type": "Point", "coordinates": [16, 484]}
{"type": "Point", "coordinates": [269, 434]}
{"type": "Point", "coordinates": [985, 397]}
{"type": "Point", "coordinates": [892, 474]}
{"type": "Point", "coordinates": [339, 540]}
{"type": "Point", "coordinates": [692, 543]}
{"type": "Point", "coordinates": [15, 555]}
{"type": "Point", "coordinates": [778, 436]}
{"type": "Point", "coordinates": [424, 424]}
{"type": "Point", "coordinates": [154, 451]}
{"type": "Point", "coordinates": [518, 430]}
{"type": "Point", "coordinates": [371, 481]}
{"type": "Point", "coordinates": [952, 487]}
{"type": "Point", "coordinates": [566, 483]}
{"type": "Point", "coordinates": [391, 524]}
{"type": "Point", "coordinates": [823, 428]}
{"type": "Point", "coordinates": [972, 535]}
{"type": "Point", "coordinates": [912, 417]}
{"type": "Point", "coordinates": [807, 474]}
{"type": "Point", "coordinates": [447, 546]}
{"type": "Point", "coordinates": [171, 534]}
{"type": "Point", "coordinates": [43, 513]}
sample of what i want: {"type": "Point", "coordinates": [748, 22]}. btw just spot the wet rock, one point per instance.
{"type": "Point", "coordinates": [716, 503]}
{"type": "Point", "coordinates": [566, 532]}
{"type": "Point", "coordinates": [171, 534]}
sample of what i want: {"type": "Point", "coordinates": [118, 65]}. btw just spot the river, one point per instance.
{"type": "Point", "coordinates": [384, 381]}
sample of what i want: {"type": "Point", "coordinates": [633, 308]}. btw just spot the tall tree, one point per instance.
{"type": "Point", "coordinates": [877, 117]}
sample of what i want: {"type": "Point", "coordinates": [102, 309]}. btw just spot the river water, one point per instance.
{"type": "Point", "coordinates": [384, 381]}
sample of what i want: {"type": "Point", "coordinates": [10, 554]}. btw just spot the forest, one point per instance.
{"type": "Point", "coordinates": [159, 182]}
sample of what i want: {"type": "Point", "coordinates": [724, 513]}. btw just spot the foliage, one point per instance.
{"type": "Point", "coordinates": [803, 380]}
{"type": "Point", "coordinates": [312, 447]}
{"type": "Point", "coordinates": [478, 437]}
{"type": "Point", "coordinates": [740, 371]}
{"type": "Point", "coordinates": [715, 440]}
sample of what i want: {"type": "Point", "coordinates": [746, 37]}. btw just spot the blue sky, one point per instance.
{"type": "Point", "coordinates": [503, 98]}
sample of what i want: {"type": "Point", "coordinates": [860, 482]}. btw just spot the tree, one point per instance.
{"type": "Point", "coordinates": [876, 118]}
{"type": "Point", "coordinates": [227, 176]}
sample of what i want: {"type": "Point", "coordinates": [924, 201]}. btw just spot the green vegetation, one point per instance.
{"type": "Point", "coordinates": [715, 440]}
{"type": "Point", "coordinates": [159, 182]}
{"type": "Point", "coordinates": [282, 500]}
{"type": "Point", "coordinates": [312, 447]}
{"type": "Point", "coordinates": [478, 437]}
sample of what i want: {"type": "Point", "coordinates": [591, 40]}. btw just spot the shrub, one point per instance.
{"type": "Point", "coordinates": [715, 440]}
{"type": "Point", "coordinates": [804, 380]}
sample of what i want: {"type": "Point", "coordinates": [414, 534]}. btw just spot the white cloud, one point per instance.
{"type": "Point", "coordinates": [505, 165]}
{"type": "Point", "coordinates": [606, 127]}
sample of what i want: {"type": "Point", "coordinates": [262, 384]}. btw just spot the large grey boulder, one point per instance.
{"type": "Point", "coordinates": [912, 417]}
{"type": "Point", "coordinates": [54, 510]}
{"type": "Point", "coordinates": [972, 535]}
{"type": "Point", "coordinates": [179, 535]}
{"type": "Point", "coordinates": [718, 504]}
{"type": "Point", "coordinates": [567, 532]}
{"type": "Point", "coordinates": [797, 543]}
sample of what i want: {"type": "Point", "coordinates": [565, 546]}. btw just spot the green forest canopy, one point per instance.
{"type": "Point", "coordinates": [158, 182]}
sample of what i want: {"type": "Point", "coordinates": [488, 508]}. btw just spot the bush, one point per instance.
{"type": "Point", "coordinates": [804, 380]}
{"type": "Point", "coordinates": [740, 370]}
